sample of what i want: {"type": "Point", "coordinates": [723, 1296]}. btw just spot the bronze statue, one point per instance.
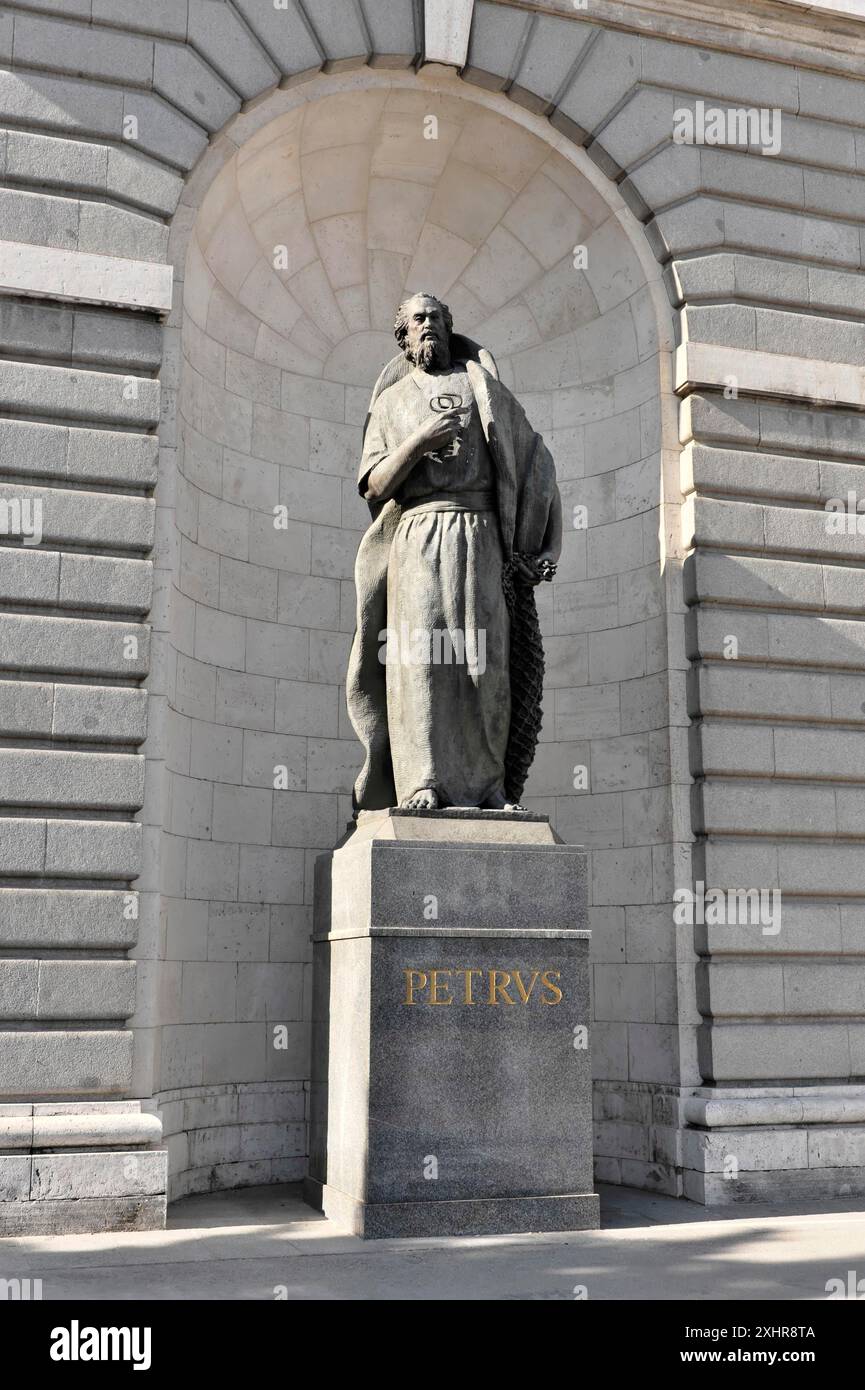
{"type": "Point", "coordinates": [445, 674]}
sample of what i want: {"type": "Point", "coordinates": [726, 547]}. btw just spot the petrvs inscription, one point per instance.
{"type": "Point", "coordinates": [473, 985]}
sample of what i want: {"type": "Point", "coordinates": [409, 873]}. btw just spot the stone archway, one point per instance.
{"type": "Point", "coordinates": [342, 197]}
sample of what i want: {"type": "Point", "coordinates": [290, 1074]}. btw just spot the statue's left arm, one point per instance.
{"type": "Point", "coordinates": [540, 491]}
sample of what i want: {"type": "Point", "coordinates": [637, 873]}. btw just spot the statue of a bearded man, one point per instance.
{"type": "Point", "coordinates": [445, 674]}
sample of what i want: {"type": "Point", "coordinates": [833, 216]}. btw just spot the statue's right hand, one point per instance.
{"type": "Point", "coordinates": [438, 430]}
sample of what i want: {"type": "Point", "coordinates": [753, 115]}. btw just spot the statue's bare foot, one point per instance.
{"type": "Point", "coordinates": [424, 800]}
{"type": "Point", "coordinates": [499, 802]}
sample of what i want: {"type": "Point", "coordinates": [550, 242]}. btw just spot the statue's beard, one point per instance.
{"type": "Point", "coordinates": [430, 356]}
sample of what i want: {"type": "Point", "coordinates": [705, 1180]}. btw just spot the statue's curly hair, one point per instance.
{"type": "Point", "coordinates": [400, 328]}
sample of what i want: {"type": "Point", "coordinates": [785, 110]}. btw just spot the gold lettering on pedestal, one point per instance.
{"type": "Point", "coordinates": [525, 994]}
{"type": "Point", "coordinates": [410, 986]}
{"type": "Point", "coordinates": [554, 989]}
{"type": "Point", "coordinates": [467, 996]}
{"type": "Point", "coordinates": [432, 986]}
{"type": "Point", "coordinates": [502, 989]}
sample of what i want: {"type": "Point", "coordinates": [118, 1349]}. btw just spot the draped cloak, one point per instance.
{"type": "Point", "coordinates": [526, 493]}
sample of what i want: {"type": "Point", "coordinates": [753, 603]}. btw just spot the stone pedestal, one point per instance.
{"type": "Point", "coordinates": [451, 1076]}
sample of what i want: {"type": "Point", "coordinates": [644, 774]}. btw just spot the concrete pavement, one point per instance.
{"type": "Point", "coordinates": [263, 1243]}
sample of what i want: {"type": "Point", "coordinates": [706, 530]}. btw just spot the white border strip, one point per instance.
{"type": "Point", "coordinates": [84, 278]}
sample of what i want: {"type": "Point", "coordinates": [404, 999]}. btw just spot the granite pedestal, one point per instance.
{"type": "Point", "coordinates": [451, 1079]}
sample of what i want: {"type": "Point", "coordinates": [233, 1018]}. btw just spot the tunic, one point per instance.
{"type": "Point", "coordinates": [446, 646]}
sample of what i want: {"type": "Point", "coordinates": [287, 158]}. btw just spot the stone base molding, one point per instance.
{"type": "Point", "coordinates": [774, 1144]}
{"type": "Point", "coordinates": [91, 1166]}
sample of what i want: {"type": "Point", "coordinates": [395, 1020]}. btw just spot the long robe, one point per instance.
{"type": "Point", "coordinates": [448, 634]}
{"type": "Point", "coordinates": [524, 498]}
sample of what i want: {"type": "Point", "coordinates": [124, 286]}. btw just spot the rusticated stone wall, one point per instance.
{"type": "Point", "coordinates": [117, 119]}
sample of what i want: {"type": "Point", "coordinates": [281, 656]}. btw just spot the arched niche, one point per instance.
{"type": "Point", "coordinates": [306, 223]}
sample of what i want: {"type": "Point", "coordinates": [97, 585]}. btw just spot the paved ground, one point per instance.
{"type": "Point", "coordinates": [263, 1242]}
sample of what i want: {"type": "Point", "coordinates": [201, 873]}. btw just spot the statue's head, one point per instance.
{"type": "Point", "coordinates": [423, 330]}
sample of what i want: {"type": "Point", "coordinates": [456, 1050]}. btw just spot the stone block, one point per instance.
{"type": "Point", "coordinates": [97, 849]}
{"type": "Point", "coordinates": [624, 993]}
{"type": "Point", "coordinates": [23, 846]}
{"type": "Point", "coordinates": [90, 581]}
{"type": "Point", "coordinates": [342, 34]}
{"type": "Point", "coordinates": [76, 394]}
{"type": "Point", "coordinates": [242, 814]}
{"type": "Point", "coordinates": [732, 748]}
{"type": "Point", "coordinates": [270, 991]}
{"type": "Point", "coordinates": [101, 713]}
{"type": "Point", "coordinates": [257, 1105]}
{"type": "Point", "coordinates": [35, 330]}
{"type": "Point", "coordinates": [105, 230]}
{"type": "Point", "coordinates": [621, 876]}
{"type": "Point", "coordinates": [614, 70]}
{"type": "Point", "coordinates": [752, 1052]}
{"type": "Point", "coordinates": [307, 710]}
{"type": "Point", "coordinates": [73, 1176]}
{"type": "Point", "coordinates": [56, 918]}
{"type": "Point", "coordinates": [234, 1052]}
{"type": "Point", "coordinates": [237, 932]}
{"type": "Point", "coordinates": [100, 780]}
{"type": "Point", "coordinates": [29, 575]}
{"type": "Point", "coordinates": [186, 82]}
{"type": "Point", "coordinates": [820, 988]}
{"type": "Point", "coordinates": [287, 37]}
{"type": "Point", "coordinates": [38, 99]}
{"type": "Point", "coordinates": [47, 161]}
{"type": "Point", "coordinates": [264, 753]}
{"type": "Point", "coordinates": [111, 457]}
{"type": "Point", "coordinates": [89, 518]}
{"type": "Point", "coordinates": [250, 590]}
{"type": "Point", "coordinates": [35, 220]}
{"type": "Point", "coordinates": [273, 649]}
{"type": "Point", "coordinates": [220, 638]}
{"type": "Point", "coordinates": [548, 60]}
{"type": "Point", "coordinates": [245, 700]}
{"type": "Point", "coordinates": [26, 707]}
{"type": "Point", "coordinates": [229, 47]}
{"type": "Point", "coordinates": [120, 340]}
{"type": "Point", "coordinates": [730, 988]}
{"type": "Point", "coordinates": [653, 1052]}
{"type": "Point", "coordinates": [66, 1063]}
{"type": "Point", "coordinates": [376, 1143]}
{"type": "Point", "coordinates": [19, 987]}
{"type": "Point", "coordinates": [14, 1178]}
{"type": "Point", "coordinates": [715, 418]}
{"type": "Point", "coordinates": [494, 44]}
{"type": "Point", "coordinates": [83, 52]}
{"type": "Point", "coordinates": [270, 875]}
{"type": "Point", "coordinates": [96, 989]}
{"type": "Point", "coordinates": [305, 819]}
{"type": "Point", "coordinates": [289, 1061]}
